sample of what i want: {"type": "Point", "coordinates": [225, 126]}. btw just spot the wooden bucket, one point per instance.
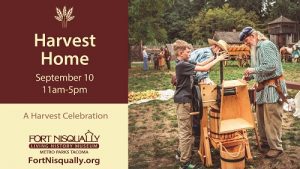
{"type": "Point", "coordinates": [214, 124]}
{"type": "Point", "coordinates": [233, 157]}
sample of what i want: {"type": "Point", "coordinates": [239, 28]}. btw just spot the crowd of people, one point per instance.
{"type": "Point", "coordinates": [161, 60]}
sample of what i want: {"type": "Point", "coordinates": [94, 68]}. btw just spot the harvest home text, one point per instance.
{"type": "Point", "coordinates": [55, 59]}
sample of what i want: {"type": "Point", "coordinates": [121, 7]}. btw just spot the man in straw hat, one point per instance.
{"type": "Point", "coordinates": [271, 90]}
{"type": "Point", "coordinates": [205, 55]}
{"type": "Point", "coordinates": [183, 93]}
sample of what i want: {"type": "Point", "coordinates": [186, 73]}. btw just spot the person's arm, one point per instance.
{"type": "Point", "coordinates": [206, 67]}
{"type": "Point", "coordinates": [205, 62]}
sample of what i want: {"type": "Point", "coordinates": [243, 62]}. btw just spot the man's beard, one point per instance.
{"type": "Point", "coordinates": [253, 55]}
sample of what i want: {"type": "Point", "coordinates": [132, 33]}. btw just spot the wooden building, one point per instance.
{"type": "Point", "coordinates": [283, 31]}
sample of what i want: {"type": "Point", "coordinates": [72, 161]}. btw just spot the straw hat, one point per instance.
{"type": "Point", "coordinates": [222, 44]}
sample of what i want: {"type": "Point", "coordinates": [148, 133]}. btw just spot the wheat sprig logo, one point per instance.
{"type": "Point", "coordinates": [64, 16]}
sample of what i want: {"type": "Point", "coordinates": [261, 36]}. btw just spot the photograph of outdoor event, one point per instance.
{"type": "Point", "coordinates": [214, 84]}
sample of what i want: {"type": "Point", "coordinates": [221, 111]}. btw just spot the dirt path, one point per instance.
{"type": "Point", "coordinates": [290, 159]}
{"type": "Point", "coordinates": [153, 140]}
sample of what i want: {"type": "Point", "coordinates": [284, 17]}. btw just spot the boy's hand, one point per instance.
{"type": "Point", "coordinates": [223, 56]}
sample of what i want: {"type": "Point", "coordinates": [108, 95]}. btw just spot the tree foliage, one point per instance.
{"type": "Point", "coordinates": [256, 6]}
{"type": "Point", "coordinates": [220, 19]}
{"type": "Point", "coordinates": [177, 18]}
{"type": "Point", "coordinates": [287, 8]}
{"type": "Point", "coordinates": [164, 21]}
{"type": "Point", "coordinates": [144, 19]}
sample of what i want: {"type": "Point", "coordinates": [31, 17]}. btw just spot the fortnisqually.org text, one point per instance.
{"type": "Point", "coordinates": [63, 161]}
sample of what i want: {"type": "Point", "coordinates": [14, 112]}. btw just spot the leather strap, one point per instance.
{"type": "Point", "coordinates": [274, 81]}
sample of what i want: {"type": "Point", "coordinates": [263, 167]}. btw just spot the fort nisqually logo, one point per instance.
{"type": "Point", "coordinates": [88, 140]}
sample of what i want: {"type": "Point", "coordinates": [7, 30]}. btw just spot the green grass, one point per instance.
{"type": "Point", "coordinates": [156, 117]}
{"type": "Point", "coordinates": [140, 80]}
{"type": "Point", "coordinates": [160, 126]}
{"type": "Point", "coordinates": [174, 124]}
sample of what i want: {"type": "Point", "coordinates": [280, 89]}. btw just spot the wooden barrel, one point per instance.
{"type": "Point", "coordinates": [233, 157]}
{"type": "Point", "coordinates": [214, 124]}
{"type": "Point", "coordinates": [214, 118]}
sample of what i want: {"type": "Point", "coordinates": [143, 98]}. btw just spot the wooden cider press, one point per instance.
{"type": "Point", "coordinates": [226, 114]}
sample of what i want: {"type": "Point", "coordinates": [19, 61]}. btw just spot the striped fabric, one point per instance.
{"type": "Point", "coordinates": [268, 65]}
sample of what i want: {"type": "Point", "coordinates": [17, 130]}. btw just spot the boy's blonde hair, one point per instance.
{"type": "Point", "coordinates": [180, 45]}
